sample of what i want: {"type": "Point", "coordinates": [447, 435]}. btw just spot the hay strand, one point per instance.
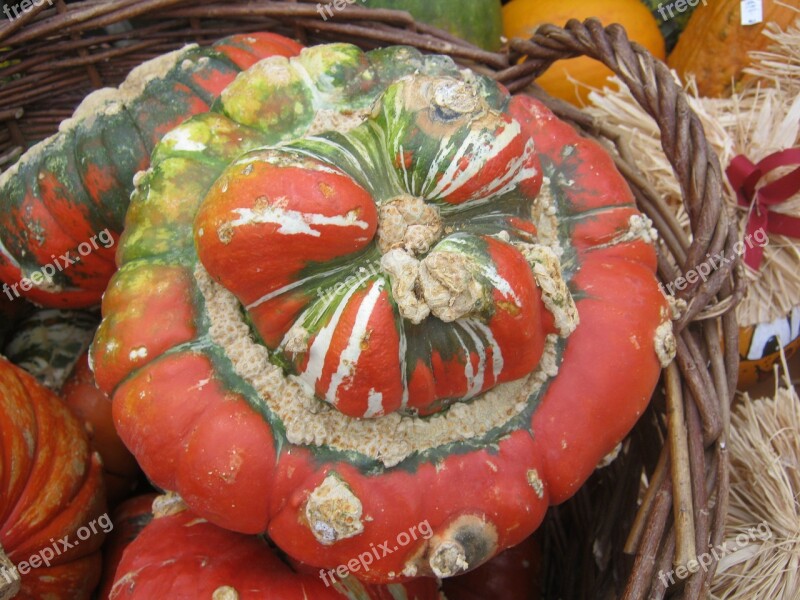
{"type": "Point", "coordinates": [762, 532]}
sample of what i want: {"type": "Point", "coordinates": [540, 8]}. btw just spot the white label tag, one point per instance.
{"type": "Point", "coordinates": [752, 12]}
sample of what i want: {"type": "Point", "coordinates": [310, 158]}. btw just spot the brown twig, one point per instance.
{"type": "Point", "coordinates": [644, 564]}
{"type": "Point", "coordinates": [697, 464]}
{"type": "Point", "coordinates": [681, 472]}
{"type": "Point", "coordinates": [656, 480]}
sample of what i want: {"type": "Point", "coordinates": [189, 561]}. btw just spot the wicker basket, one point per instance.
{"type": "Point", "coordinates": [663, 500]}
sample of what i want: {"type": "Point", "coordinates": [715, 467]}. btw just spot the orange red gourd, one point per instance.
{"type": "Point", "coordinates": [371, 292]}
{"type": "Point", "coordinates": [179, 555]}
{"type": "Point", "coordinates": [714, 46]}
{"type": "Point", "coordinates": [52, 519]}
{"type": "Point", "coordinates": [521, 18]}
{"type": "Point", "coordinates": [129, 518]}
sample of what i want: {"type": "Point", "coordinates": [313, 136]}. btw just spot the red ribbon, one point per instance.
{"type": "Point", "coordinates": [745, 176]}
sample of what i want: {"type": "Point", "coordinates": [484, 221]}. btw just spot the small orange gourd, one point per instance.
{"type": "Point", "coordinates": [714, 46]}
{"type": "Point", "coordinates": [521, 18]}
{"type": "Point", "coordinates": [52, 501]}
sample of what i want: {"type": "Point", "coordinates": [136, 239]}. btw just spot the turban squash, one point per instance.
{"type": "Point", "coordinates": [371, 290]}
{"type": "Point", "coordinates": [129, 519]}
{"type": "Point", "coordinates": [176, 554]}
{"type": "Point", "coordinates": [62, 205]}
{"type": "Point", "coordinates": [51, 489]}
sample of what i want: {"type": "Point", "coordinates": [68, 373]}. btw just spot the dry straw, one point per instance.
{"type": "Point", "coordinates": [756, 121]}
{"type": "Point", "coordinates": [765, 490]}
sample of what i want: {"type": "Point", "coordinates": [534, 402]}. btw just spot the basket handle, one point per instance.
{"type": "Point", "coordinates": [698, 171]}
{"type": "Point", "coordinates": [695, 164]}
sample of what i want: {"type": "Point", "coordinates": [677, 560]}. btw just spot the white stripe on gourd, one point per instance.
{"type": "Point", "coordinates": [322, 342]}
{"type": "Point", "coordinates": [403, 348]}
{"type": "Point", "coordinates": [515, 175]}
{"type": "Point", "coordinates": [352, 353]}
{"type": "Point", "coordinates": [294, 222]}
{"type": "Point", "coordinates": [497, 354]}
{"type": "Point", "coordinates": [374, 404]}
{"type": "Point", "coordinates": [295, 284]}
{"type": "Point", "coordinates": [478, 380]}
{"type": "Point", "coordinates": [482, 147]}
